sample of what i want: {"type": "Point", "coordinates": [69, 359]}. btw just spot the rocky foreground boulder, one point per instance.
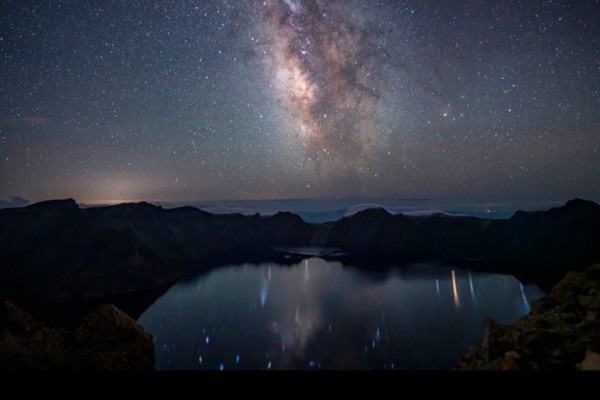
{"type": "Point", "coordinates": [106, 339]}
{"type": "Point", "coordinates": [562, 331]}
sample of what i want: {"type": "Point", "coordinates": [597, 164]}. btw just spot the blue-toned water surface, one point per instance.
{"type": "Point", "coordinates": [324, 315]}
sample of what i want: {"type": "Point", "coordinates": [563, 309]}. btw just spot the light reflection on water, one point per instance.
{"type": "Point", "coordinates": [321, 315]}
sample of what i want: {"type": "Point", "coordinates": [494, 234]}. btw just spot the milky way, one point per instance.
{"type": "Point", "coordinates": [328, 69]}
{"type": "Point", "coordinates": [262, 99]}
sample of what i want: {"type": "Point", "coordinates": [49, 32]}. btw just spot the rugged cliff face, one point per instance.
{"type": "Point", "coordinates": [533, 246]}
{"type": "Point", "coordinates": [55, 253]}
{"type": "Point", "coordinates": [106, 339]}
{"type": "Point", "coordinates": [562, 331]}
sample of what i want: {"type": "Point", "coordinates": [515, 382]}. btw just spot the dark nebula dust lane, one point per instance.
{"type": "Point", "coordinates": [328, 69]}
{"type": "Point", "coordinates": [183, 101]}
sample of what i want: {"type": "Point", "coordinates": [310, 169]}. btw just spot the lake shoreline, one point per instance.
{"type": "Point", "coordinates": [61, 260]}
{"type": "Point", "coordinates": [134, 303]}
{"type": "Point", "coordinates": [315, 306]}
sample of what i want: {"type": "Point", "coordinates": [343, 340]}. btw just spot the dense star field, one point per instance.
{"type": "Point", "coordinates": [200, 100]}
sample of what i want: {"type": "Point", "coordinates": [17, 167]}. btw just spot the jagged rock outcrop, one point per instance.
{"type": "Point", "coordinates": [562, 331]}
{"type": "Point", "coordinates": [106, 339]}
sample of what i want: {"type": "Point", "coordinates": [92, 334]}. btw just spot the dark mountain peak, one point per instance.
{"type": "Point", "coordinates": [59, 204]}
{"type": "Point", "coordinates": [578, 208]}
{"type": "Point", "coordinates": [286, 215]}
{"type": "Point", "coordinates": [581, 204]}
{"type": "Point", "coordinates": [283, 213]}
{"type": "Point", "coordinates": [125, 210]}
{"type": "Point", "coordinates": [188, 210]}
{"type": "Point", "coordinates": [524, 214]}
{"type": "Point", "coordinates": [144, 210]}
{"type": "Point", "coordinates": [148, 206]}
{"type": "Point", "coordinates": [142, 205]}
{"type": "Point", "coordinates": [378, 212]}
{"type": "Point", "coordinates": [571, 207]}
{"type": "Point", "coordinates": [51, 207]}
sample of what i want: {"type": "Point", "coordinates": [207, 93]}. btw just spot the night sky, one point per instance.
{"type": "Point", "coordinates": [107, 101]}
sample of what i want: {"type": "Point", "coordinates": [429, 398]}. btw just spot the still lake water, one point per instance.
{"type": "Point", "coordinates": [323, 315]}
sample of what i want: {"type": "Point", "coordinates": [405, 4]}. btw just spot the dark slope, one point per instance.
{"type": "Point", "coordinates": [105, 339]}
{"type": "Point", "coordinates": [532, 245]}
{"type": "Point", "coordinates": [57, 253]}
{"type": "Point", "coordinates": [562, 331]}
